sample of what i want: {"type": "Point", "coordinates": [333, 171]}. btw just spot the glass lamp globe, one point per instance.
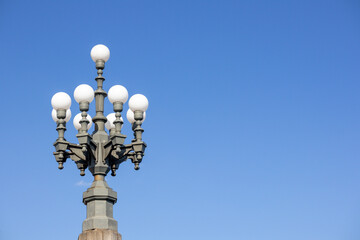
{"type": "Point", "coordinates": [61, 100]}
{"type": "Point", "coordinates": [130, 116]}
{"type": "Point", "coordinates": [84, 93]}
{"type": "Point", "coordinates": [118, 93]}
{"type": "Point", "coordinates": [138, 102]}
{"type": "Point", "coordinates": [110, 121]}
{"type": "Point", "coordinates": [100, 52]}
{"type": "Point", "coordinates": [77, 119]}
{"type": "Point", "coordinates": [54, 115]}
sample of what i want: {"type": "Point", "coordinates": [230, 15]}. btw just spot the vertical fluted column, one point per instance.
{"type": "Point", "coordinates": [99, 120]}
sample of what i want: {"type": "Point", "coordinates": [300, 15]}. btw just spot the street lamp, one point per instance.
{"type": "Point", "coordinates": [100, 152]}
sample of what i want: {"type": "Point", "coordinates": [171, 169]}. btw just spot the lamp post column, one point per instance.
{"type": "Point", "coordinates": [99, 152]}
{"type": "Point", "coordinates": [99, 134]}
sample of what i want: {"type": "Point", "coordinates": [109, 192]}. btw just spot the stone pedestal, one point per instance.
{"type": "Point", "coordinates": [99, 223]}
{"type": "Point", "coordinates": [99, 234]}
{"type": "Point", "coordinates": [99, 200]}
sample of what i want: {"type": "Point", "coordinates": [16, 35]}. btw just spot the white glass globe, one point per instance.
{"type": "Point", "coordinates": [84, 93]}
{"type": "Point", "coordinates": [130, 116]}
{"type": "Point", "coordinates": [77, 119]}
{"type": "Point", "coordinates": [67, 116]}
{"type": "Point", "coordinates": [61, 100]}
{"type": "Point", "coordinates": [138, 102]}
{"type": "Point", "coordinates": [110, 121]}
{"type": "Point", "coordinates": [100, 52]}
{"type": "Point", "coordinates": [118, 93]}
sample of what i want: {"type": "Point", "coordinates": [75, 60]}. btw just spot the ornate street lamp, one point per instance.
{"type": "Point", "coordinates": [100, 152]}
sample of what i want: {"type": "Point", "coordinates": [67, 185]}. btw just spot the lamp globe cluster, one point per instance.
{"type": "Point", "coordinates": [84, 94]}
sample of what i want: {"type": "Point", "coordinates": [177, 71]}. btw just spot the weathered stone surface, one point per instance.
{"type": "Point", "coordinates": [99, 234]}
{"type": "Point", "coordinates": [100, 222]}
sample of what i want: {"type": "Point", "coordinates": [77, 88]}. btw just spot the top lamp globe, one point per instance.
{"type": "Point", "coordinates": [100, 52]}
{"type": "Point", "coordinates": [138, 102]}
{"type": "Point", "coordinates": [84, 93]}
{"type": "Point", "coordinates": [61, 100]}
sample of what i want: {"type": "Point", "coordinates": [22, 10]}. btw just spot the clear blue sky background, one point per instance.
{"type": "Point", "coordinates": [252, 130]}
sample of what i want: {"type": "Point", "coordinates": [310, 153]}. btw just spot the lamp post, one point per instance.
{"type": "Point", "coordinates": [100, 152]}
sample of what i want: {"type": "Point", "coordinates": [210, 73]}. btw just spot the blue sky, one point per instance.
{"type": "Point", "coordinates": [252, 129]}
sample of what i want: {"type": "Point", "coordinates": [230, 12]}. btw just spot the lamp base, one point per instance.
{"type": "Point", "coordinates": [99, 234]}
